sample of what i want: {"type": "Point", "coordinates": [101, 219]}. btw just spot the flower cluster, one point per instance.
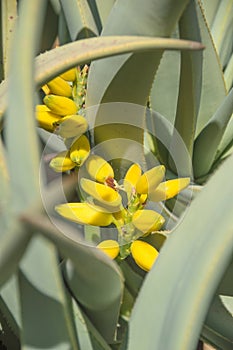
{"type": "Point", "coordinates": [107, 202]}
{"type": "Point", "coordinates": [62, 112]}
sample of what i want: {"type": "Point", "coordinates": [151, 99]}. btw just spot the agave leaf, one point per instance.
{"type": "Point", "coordinates": [84, 339]}
{"type": "Point", "coordinates": [44, 305]}
{"type": "Point", "coordinates": [189, 90]}
{"type": "Point", "coordinates": [101, 10]}
{"type": "Point", "coordinates": [182, 281]}
{"type": "Point", "coordinates": [221, 30]}
{"type": "Point", "coordinates": [23, 165]}
{"type": "Point", "coordinates": [210, 7]}
{"type": "Point", "coordinates": [79, 19]}
{"type": "Point", "coordinates": [50, 28]}
{"type": "Point", "coordinates": [228, 73]}
{"type": "Point", "coordinates": [226, 142]}
{"type": "Point", "coordinates": [63, 31]}
{"type": "Point", "coordinates": [85, 261]}
{"type": "Point", "coordinates": [136, 69]}
{"type": "Point", "coordinates": [8, 13]}
{"type": "Point", "coordinates": [83, 51]}
{"type": "Point", "coordinates": [207, 142]}
{"type": "Point", "coordinates": [213, 85]}
{"type": "Point", "coordinates": [10, 306]}
{"type": "Point", "coordinates": [219, 322]}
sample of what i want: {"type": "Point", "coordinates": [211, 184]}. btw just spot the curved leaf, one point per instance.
{"type": "Point", "coordinates": [106, 281]}
{"type": "Point", "coordinates": [43, 300]}
{"type": "Point", "coordinates": [128, 78]}
{"type": "Point", "coordinates": [189, 89]}
{"type": "Point", "coordinates": [183, 281]}
{"type": "Point", "coordinates": [207, 142]}
{"type": "Point", "coordinates": [23, 165]}
{"type": "Point", "coordinates": [60, 59]}
{"type": "Point", "coordinates": [79, 19]}
{"type": "Point", "coordinates": [213, 85]}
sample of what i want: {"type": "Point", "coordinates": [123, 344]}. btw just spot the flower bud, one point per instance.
{"type": "Point", "coordinates": [62, 162]}
{"type": "Point", "coordinates": [46, 119]}
{"type": "Point", "coordinates": [80, 150]}
{"type": "Point", "coordinates": [143, 254]}
{"type": "Point", "coordinates": [109, 247]}
{"type": "Point", "coordinates": [72, 126]}
{"type": "Point", "coordinates": [147, 221]}
{"type": "Point", "coordinates": [99, 169]}
{"type": "Point", "coordinates": [59, 86]}
{"type": "Point", "coordinates": [60, 105]}
{"type": "Point", "coordinates": [69, 75]}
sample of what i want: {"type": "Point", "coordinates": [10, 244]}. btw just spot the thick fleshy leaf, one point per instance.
{"type": "Point", "coordinates": [183, 271]}
{"type": "Point", "coordinates": [189, 91]}
{"type": "Point", "coordinates": [18, 142]}
{"type": "Point", "coordinates": [79, 19]}
{"type": "Point", "coordinates": [207, 142]}
{"type": "Point", "coordinates": [137, 69]}
{"type": "Point", "coordinates": [43, 300]}
{"type": "Point", "coordinates": [106, 282]}
{"type": "Point", "coordinates": [59, 59]}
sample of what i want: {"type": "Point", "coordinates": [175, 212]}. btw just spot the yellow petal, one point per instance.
{"type": "Point", "coordinates": [80, 150]}
{"type": "Point", "coordinates": [46, 119]}
{"type": "Point", "coordinates": [46, 90]}
{"type": "Point", "coordinates": [98, 168]}
{"type": "Point", "coordinates": [62, 162]}
{"type": "Point", "coordinates": [109, 247]}
{"type": "Point", "coordinates": [69, 75]}
{"type": "Point", "coordinates": [169, 189]}
{"type": "Point", "coordinates": [144, 254]}
{"type": "Point", "coordinates": [72, 126]}
{"type": "Point", "coordinates": [147, 221]}
{"type": "Point", "coordinates": [133, 174]}
{"type": "Point", "coordinates": [106, 196]}
{"type": "Point", "coordinates": [60, 105]}
{"type": "Point", "coordinates": [59, 86]}
{"type": "Point", "coordinates": [85, 214]}
{"type": "Point", "coordinates": [150, 180]}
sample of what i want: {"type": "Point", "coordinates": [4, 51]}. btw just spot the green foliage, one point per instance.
{"type": "Point", "coordinates": [174, 57]}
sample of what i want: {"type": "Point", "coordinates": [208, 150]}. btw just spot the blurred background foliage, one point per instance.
{"type": "Point", "coordinates": [56, 291]}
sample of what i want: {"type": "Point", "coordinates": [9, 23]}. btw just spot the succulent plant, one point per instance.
{"type": "Point", "coordinates": [115, 163]}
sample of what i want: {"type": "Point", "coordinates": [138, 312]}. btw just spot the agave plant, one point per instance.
{"type": "Point", "coordinates": [115, 162]}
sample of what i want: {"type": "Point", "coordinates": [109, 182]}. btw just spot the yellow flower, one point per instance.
{"type": "Point", "coordinates": [85, 214]}
{"type": "Point", "coordinates": [69, 75]}
{"type": "Point", "coordinates": [60, 105]}
{"type": "Point", "coordinates": [104, 195]}
{"type": "Point", "coordinates": [62, 162]}
{"type": "Point", "coordinates": [59, 86]}
{"type": "Point", "coordinates": [169, 189]}
{"type": "Point", "coordinates": [80, 150]}
{"type": "Point", "coordinates": [144, 254]}
{"type": "Point", "coordinates": [72, 126]}
{"type": "Point", "coordinates": [109, 247]}
{"type": "Point", "coordinates": [99, 169]}
{"type": "Point", "coordinates": [147, 221]}
{"type": "Point", "coordinates": [150, 180]}
{"type": "Point", "coordinates": [46, 119]}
